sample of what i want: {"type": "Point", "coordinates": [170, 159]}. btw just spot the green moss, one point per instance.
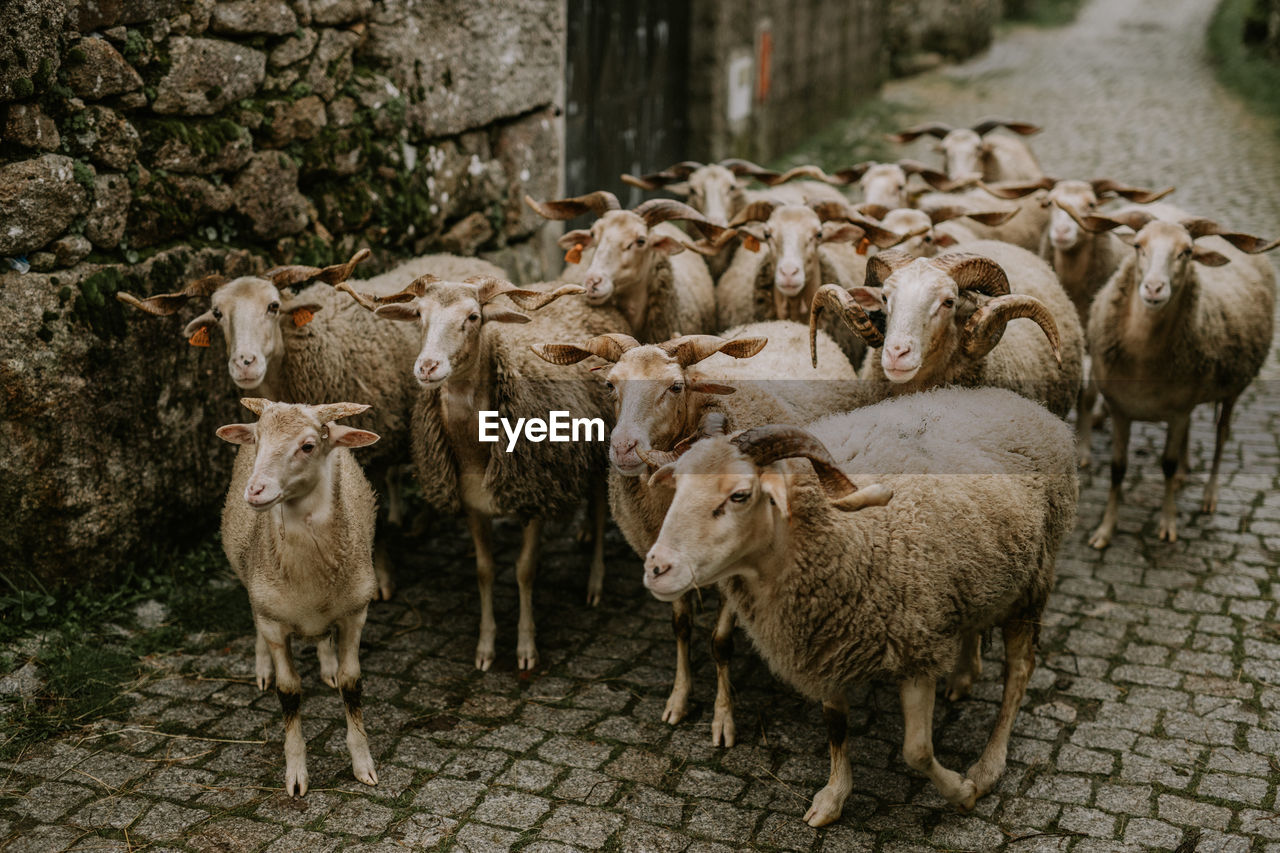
{"type": "Point", "coordinates": [96, 306]}
{"type": "Point", "coordinates": [300, 90]}
{"type": "Point", "coordinates": [1043, 13]}
{"type": "Point", "coordinates": [204, 138]}
{"type": "Point", "coordinates": [23, 88]}
{"type": "Point", "coordinates": [76, 56]}
{"type": "Point", "coordinates": [83, 174]}
{"type": "Point", "coordinates": [1250, 74]}
{"type": "Point", "coordinates": [136, 50]}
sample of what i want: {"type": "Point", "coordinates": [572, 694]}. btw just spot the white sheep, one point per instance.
{"type": "Point", "coordinates": [297, 528]}
{"type": "Point", "coordinates": [946, 323]}
{"type": "Point", "coordinates": [971, 153]}
{"type": "Point", "coordinates": [936, 229]}
{"type": "Point", "coordinates": [966, 495]}
{"type": "Point", "coordinates": [639, 262]}
{"type": "Point", "coordinates": [663, 396]}
{"type": "Point", "coordinates": [291, 337]}
{"type": "Point", "coordinates": [474, 355]}
{"type": "Point", "coordinates": [1186, 319]}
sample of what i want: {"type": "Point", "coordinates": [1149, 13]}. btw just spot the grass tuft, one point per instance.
{"type": "Point", "coordinates": [1252, 76]}
{"type": "Point", "coordinates": [1043, 13]}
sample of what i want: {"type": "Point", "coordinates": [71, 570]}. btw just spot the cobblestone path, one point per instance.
{"type": "Point", "coordinates": [1153, 721]}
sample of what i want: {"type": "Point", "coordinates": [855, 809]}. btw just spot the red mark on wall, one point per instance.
{"type": "Point", "coordinates": [764, 64]}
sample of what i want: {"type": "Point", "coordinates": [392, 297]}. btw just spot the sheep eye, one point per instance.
{"type": "Point", "coordinates": [741, 497]}
{"type": "Point", "coordinates": [473, 317]}
{"type": "Point", "coordinates": [273, 307]}
{"type": "Point", "coordinates": [768, 235]}
{"type": "Point", "coordinates": [1185, 253]}
{"type": "Point", "coordinates": [609, 387]}
{"type": "Point", "coordinates": [928, 238]}
{"type": "Point", "coordinates": [948, 303]}
{"type": "Point", "coordinates": [308, 447]}
{"type": "Point", "coordinates": [217, 313]}
{"type": "Point", "coordinates": [677, 388]}
{"type": "Point", "coordinates": [640, 242]}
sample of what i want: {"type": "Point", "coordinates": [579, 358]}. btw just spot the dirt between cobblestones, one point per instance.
{"type": "Point", "coordinates": [1151, 722]}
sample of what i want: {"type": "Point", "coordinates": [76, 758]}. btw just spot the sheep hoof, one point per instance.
{"type": "Point", "coordinates": [1084, 460]}
{"type": "Point", "coordinates": [364, 771]}
{"type": "Point", "coordinates": [958, 688]}
{"type": "Point", "coordinates": [295, 781]}
{"type": "Point", "coordinates": [827, 806]}
{"type": "Point", "coordinates": [1100, 539]}
{"type": "Point", "coordinates": [1168, 531]}
{"type": "Point", "coordinates": [264, 680]}
{"type": "Point", "coordinates": [1210, 504]}
{"type": "Point", "coordinates": [484, 658]}
{"type": "Point", "coordinates": [677, 707]}
{"type": "Point", "coordinates": [386, 589]}
{"type": "Point", "coordinates": [723, 731]}
{"type": "Point", "coordinates": [968, 796]}
{"type": "Point", "coordinates": [593, 597]}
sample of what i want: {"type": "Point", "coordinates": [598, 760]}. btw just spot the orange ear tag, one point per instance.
{"type": "Point", "coordinates": [863, 245]}
{"type": "Point", "coordinates": [200, 338]}
{"type": "Point", "coordinates": [751, 244]}
{"type": "Point", "coordinates": [302, 317]}
{"type": "Point", "coordinates": [574, 255]}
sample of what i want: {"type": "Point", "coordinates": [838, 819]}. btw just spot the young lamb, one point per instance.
{"type": "Point", "coordinates": [965, 497]}
{"type": "Point", "coordinates": [663, 395]}
{"type": "Point", "coordinates": [971, 153]}
{"type": "Point", "coordinates": [1186, 319]}
{"type": "Point", "coordinates": [946, 323]}
{"type": "Point", "coordinates": [475, 355]}
{"type": "Point", "coordinates": [292, 340]}
{"type": "Point", "coordinates": [639, 262]}
{"type": "Point", "coordinates": [297, 528]}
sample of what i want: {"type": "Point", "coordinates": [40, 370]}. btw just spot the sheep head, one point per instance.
{"type": "Point", "coordinates": [253, 312]}
{"type": "Point", "coordinates": [732, 500]}
{"type": "Point", "coordinates": [716, 190]}
{"type": "Point", "coordinates": [964, 148]}
{"type": "Point", "coordinates": [1165, 250]}
{"type": "Point", "coordinates": [452, 315]}
{"type": "Point", "coordinates": [1072, 201]}
{"type": "Point", "coordinates": [627, 248]}
{"type": "Point", "coordinates": [291, 443]}
{"type": "Point", "coordinates": [657, 389]}
{"type": "Point", "coordinates": [938, 310]}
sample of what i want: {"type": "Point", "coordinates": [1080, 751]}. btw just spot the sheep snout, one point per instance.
{"type": "Point", "coordinates": [262, 495]}
{"type": "Point", "coordinates": [623, 454]}
{"type": "Point", "coordinates": [247, 370]}
{"type": "Point", "coordinates": [664, 575]}
{"type": "Point", "coordinates": [790, 278]}
{"type": "Point", "coordinates": [899, 360]}
{"type": "Point", "coordinates": [599, 288]}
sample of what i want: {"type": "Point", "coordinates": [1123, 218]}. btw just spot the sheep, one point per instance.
{"type": "Point", "coordinates": [882, 184]}
{"type": "Point", "coordinates": [791, 250]}
{"type": "Point", "coordinates": [965, 497]}
{"type": "Point", "coordinates": [971, 153]}
{"type": "Point", "coordinates": [930, 231]}
{"type": "Point", "coordinates": [946, 315]}
{"type": "Point", "coordinates": [291, 341]}
{"type": "Point", "coordinates": [1186, 319]}
{"type": "Point", "coordinates": [662, 394]}
{"type": "Point", "coordinates": [474, 355]}
{"type": "Point", "coordinates": [1083, 259]}
{"type": "Point", "coordinates": [638, 262]}
{"type": "Point", "coordinates": [1024, 229]}
{"type": "Point", "coordinates": [297, 528]}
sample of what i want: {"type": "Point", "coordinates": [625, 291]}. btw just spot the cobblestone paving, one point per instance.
{"type": "Point", "coordinates": [1151, 722]}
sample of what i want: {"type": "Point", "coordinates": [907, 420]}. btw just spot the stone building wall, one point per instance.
{"type": "Point", "coordinates": [147, 142]}
{"type": "Point", "coordinates": [922, 32]}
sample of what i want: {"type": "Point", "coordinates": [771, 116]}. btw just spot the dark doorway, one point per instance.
{"type": "Point", "coordinates": [626, 80]}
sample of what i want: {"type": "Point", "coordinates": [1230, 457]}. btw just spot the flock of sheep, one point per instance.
{"type": "Point", "coordinates": [823, 408]}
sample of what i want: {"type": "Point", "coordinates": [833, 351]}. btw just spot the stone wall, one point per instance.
{"type": "Point", "coordinates": [920, 33]}
{"type": "Point", "coordinates": [826, 56]}
{"type": "Point", "coordinates": [146, 142]}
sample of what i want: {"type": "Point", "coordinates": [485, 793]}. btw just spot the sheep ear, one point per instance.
{"type": "Point", "coordinates": [200, 325]}
{"type": "Point", "coordinates": [711, 388]}
{"type": "Point", "coordinates": [492, 314]}
{"type": "Point", "coordinates": [1209, 258]}
{"type": "Point", "coordinates": [578, 237]}
{"type": "Point", "coordinates": [681, 188]}
{"type": "Point", "coordinates": [666, 245]}
{"type": "Point", "coordinates": [870, 298]}
{"type": "Point", "coordinates": [944, 240]}
{"type": "Point", "coordinates": [664, 476]}
{"type": "Point", "coordinates": [345, 436]}
{"type": "Point", "coordinates": [774, 484]}
{"type": "Point", "coordinates": [238, 434]}
{"type": "Point", "coordinates": [873, 495]}
{"type": "Point", "coordinates": [407, 311]}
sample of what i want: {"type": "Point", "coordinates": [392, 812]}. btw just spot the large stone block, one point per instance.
{"type": "Point", "coordinates": [24, 47]}
{"type": "Point", "coordinates": [251, 17]}
{"type": "Point", "coordinates": [267, 192]}
{"type": "Point", "coordinates": [207, 75]}
{"type": "Point", "coordinates": [529, 151]}
{"type": "Point", "coordinates": [29, 126]}
{"type": "Point", "coordinates": [94, 69]}
{"type": "Point", "coordinates": [486, 60]}
{"type": "Point", "coordinates": [106, 137]}
{"type": "Point", "coordinates": [38, 199]}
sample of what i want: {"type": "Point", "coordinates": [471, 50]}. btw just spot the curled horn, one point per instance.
{"type": "Point", "coordinates": [885, 264]}
{"type": "Point", "coordinates": [326, 412]}
{"type": "Point", "coordinates": [1244, 242]}
{"type": "Point", "coordinates": [880, 236]}
{"type": "Point", "coordinates": [1097, 222]}
{"type": "Point", "coordinates": [415, 289]}
{"type": "Point", "coordinates": [690, 349]}
{"type": "Point", "coordinates": [986, 325]}
{"type": "Point", "coordinates": [933, 128]}
{"type": "Point", "coordinates": [1017, 189]}
{"type": "Point", "coordinates": [765, 445]}
{"type": "Point", "coordinates": [836, 298]}
{"type": "Point", "coordinates": [715, 423]}
{"type": "Point", "coordinates": [661, 210]}
{"type": "Point", "coordinates": [745, 168]}
{"type": "Point", "coordinates": [610, 347]}
{"type": "Point", "coordinates": [757, 211]}
{"type": "Point", "coordinates": [813, 172]}
{"type": "Point", "coordinates": [489, 289]}
{"type": "Point", "coordinates": [164, 304]}
{"type": "Point", "coordinates": [1022, 128]}
{"type": "Point", "coordinates": [598, 202]}
{"type": "Point", "coordinates": [974, 272]}
{"type": "Point", "coordinates": [292, 276]}
{"type": "Point", "coordinates": [257, 405]}
{"type": "Point", "coordinates": [1103, 186]}
{"type": "Point", "coordinates": [670, 175]}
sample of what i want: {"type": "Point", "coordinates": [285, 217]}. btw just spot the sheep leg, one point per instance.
{"type": "Point", "coordinates": [1224, 429]}
{"type": "Point", "coordinates": [351, 690]}
{"type": "Point", "coordinates": [1177, 435]}
{"type": "Point", "coordinates": [968, 667]}
{"type": "Point", "coordinates": [917, 742]}
{"type": "Point", "coordinates": [289, 691]}
{"type": "Point", "coordinates": [599, 509]}
{"type": "Point", "coordinates": [328, 660]}
{"type": "Point", "coordinates": [261, 660]}
{"type": "Point", "coordinates": [723, 731]}
{"type": "Point", "coordinates": [828, 803]}
{"type": "Point", "coordinates": [1101, 537]}
{"type": "Point", "coordinates": [382, 570]}
{"type": "Point", "coordinates": [681, 626]}
{"type": "Point", "coordinates": [526, 571]}
{"type": "Point", "coordinates": [1019, 663]}
{"type": "Point", "coordinates": [395, 502]}
{"type": "Point", "coordinates": [1084, 422]}
{"type": "Point", "coordinates": [482, 536]}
